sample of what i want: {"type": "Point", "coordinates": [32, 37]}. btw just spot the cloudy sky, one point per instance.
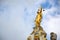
{"type": "Point", "coordinates": [17, 18]}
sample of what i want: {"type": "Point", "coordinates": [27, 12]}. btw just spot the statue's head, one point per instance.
{"type": "Point", "coordinates": [39, 10]}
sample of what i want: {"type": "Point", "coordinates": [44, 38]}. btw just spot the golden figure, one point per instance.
{"type": "Point", "coordinates": [38, 17]}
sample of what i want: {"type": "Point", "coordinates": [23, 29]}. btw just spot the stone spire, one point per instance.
{"type": "Point", "coordinates": [38, 32]}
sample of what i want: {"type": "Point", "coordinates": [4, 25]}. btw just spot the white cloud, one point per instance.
{"type": "Point", "coordinates": [51, 20]}
{"type": "Point", "coordinates": [54, 26]}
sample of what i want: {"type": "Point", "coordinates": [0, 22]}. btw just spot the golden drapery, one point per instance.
{"type": "Point", "coordinates": [38, 17]}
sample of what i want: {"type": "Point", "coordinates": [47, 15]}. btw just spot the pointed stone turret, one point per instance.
{"type": "Point", "coordinates": [53, 36]}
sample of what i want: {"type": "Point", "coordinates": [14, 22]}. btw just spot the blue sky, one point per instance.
{"type": "Point", "coordinates": [17, 18]}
